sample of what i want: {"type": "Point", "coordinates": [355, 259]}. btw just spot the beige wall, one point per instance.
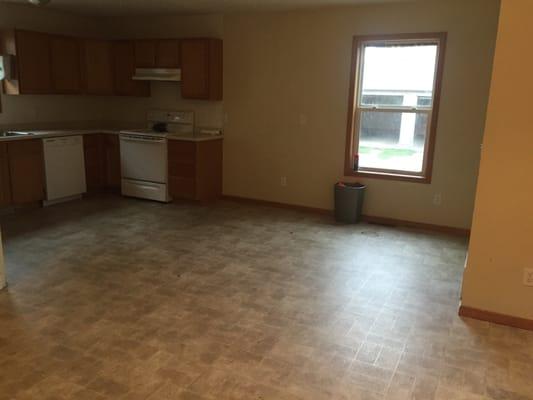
{"type": "Point", "coordinates": [165, 95]}
{"type": "Point", "coordinates": [281, 66]}
{"type": "Point", "coordinates": [34, 110]}
{"type": "Point", "coordinates": [285, 97]}
{"type": "Point", "coordinates": [502, 232]}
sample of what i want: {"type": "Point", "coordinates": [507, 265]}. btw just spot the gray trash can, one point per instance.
{"type": "Point", "coordinates": [349, 202]}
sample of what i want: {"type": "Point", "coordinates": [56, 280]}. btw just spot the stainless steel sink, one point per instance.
{"type": "Point", "coordinates": [13, 133]}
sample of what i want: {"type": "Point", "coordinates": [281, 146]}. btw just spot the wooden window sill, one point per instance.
{"type": "Point", "coordinates": [388, 176]}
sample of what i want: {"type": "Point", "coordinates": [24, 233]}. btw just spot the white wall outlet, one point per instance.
{"type": "Point", "coordinates": [437, 199]}
{"type": "Point", "coordinates": [528, 276]}
{"type": "Point", "coordinates": [283, 181]}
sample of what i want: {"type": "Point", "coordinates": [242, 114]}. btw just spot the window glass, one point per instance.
{"type": "Point", "coordinates": [392, 141]}
{"type": "Point", "coordinates": [397, 74]}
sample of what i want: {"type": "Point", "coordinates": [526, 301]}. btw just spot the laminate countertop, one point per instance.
{"type": "Point", "coordinates": [42, 134]}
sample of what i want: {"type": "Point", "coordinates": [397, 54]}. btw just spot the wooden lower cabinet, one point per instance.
{"type": "Point", "coordinates": [93, 149]}
{"type": "Point", "coordinates": [22, 172]}
{"type": "Point", "coordinates": [113, 174]}
{"type": "Point", "coordinates": [5, 181]}
{"type": "Point", "coordinates": [26, 170]}
{"type": "Point", "coordinates": [102, 162]}
{"type": "Point", "coordinates": [195, 169]}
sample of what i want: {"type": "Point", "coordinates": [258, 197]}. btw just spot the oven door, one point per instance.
{"type": "Point", "coordinates": [143, 158]}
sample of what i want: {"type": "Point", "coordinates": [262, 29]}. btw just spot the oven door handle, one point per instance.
{"type": "Point", "coordinates": [139, 139]}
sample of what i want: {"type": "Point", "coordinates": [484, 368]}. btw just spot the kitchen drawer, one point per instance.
{"type": "Point", "coordinates": [33, 147]}
{"type": "Point", "coordinates": [181, 151]}
{"type": "Point", "coordinates": [182, 188]}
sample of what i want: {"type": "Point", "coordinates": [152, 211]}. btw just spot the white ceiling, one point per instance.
{"type": "Point", "coordinates": [143, 7]}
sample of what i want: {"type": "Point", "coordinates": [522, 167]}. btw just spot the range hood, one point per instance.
{"type": "Point", "coordinates": [157, 74]}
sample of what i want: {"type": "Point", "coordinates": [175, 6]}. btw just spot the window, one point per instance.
{"type": "Point", "coordinates": [394, 100]}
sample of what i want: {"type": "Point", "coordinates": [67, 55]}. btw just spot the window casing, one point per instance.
{"type": "Point", "coordinates": [392, 118]}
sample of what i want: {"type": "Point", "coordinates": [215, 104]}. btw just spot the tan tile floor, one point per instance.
{"type": "Point", "coordinates": [123, 299]}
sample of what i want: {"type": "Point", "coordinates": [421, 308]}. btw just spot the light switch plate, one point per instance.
{"type": "Point", "coordinates": [528, 276]}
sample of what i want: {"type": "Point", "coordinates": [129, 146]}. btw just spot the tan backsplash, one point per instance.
{"type": "Point", "coordinates": [165, 96]}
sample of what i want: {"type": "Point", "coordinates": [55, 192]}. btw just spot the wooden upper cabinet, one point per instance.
{"type": "Point", "coordinates": [98, 67]}
{"type": "Point", "coordinates": [66, 64]}
{"type": "Point", "coordinates": [47, 64]}
{"type": "Point", "coordinates": [33, 64]}
{"type": "Point", "coordinates": [201, 69]}
{"type": "Point", "coordinates": [33, 60]}
{"type": "Point", "coordinates": [145, 51]}
{"type": "Point", "coordinates": [168, 53]}
{"type": "Point", "coordinates": [157, 53]}
{"type": "Point", "coordinates": [124, 69]}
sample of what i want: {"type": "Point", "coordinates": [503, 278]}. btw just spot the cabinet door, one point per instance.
{"type": "Point", "coordinates": [209, 170]}
{"type": "Point", "coordinates": [33, 58]}
{"type": "Point", "coordinates": [26, 167]}
{"type": "Point", "coordinates": [201, 69]}
{"type": "Point", "coordinates": [145, 51]}
{"type": "Point", "coordinates": [168, 53]}
{"type": "Point", "coordinates": [195, 68]}
{"type": "Point", "coordinates": [94, 162]}
{"type": "Point", "coordinates": [112, 161]}
{"type": "Point", "coordinates": [182, 169]}
{"type": "Point", "coordinates": [66, 66]}
{"type": "Point", "coordinates": [124, 69]}
{"type": "Point", "coordinates": [5, 182]}
{"type": "Point", "coordinates": [98, 66]}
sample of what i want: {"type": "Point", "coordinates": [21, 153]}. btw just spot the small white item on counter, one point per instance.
{"type": "Point", "coordinates": [211, 131]}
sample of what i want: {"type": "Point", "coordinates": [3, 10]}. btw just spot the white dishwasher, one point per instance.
{"type": "Point", "coordinates": [64, 162]}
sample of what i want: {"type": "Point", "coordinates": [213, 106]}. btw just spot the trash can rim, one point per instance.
{"type": "Point", "coordinates": [350, 185]}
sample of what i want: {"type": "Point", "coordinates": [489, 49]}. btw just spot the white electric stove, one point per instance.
{"type": "Point", "coordinates": [144, 157]}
